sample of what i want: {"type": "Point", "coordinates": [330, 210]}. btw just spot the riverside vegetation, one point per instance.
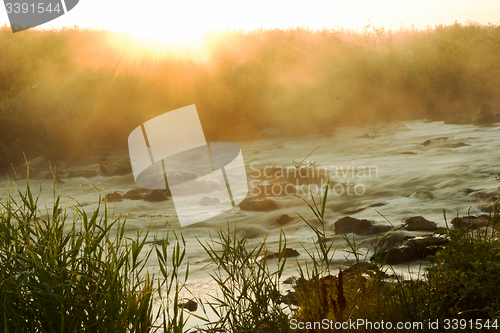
{"type": "Point", "coordinates": [74, 92]}
{"type": "Point", "coordinates": [84, 275]}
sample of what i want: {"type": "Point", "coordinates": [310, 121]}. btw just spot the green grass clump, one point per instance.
{"type": "Point", "coordinates": [87, 279]}
{"type": "Point", "coordinates": [249, 299]}
{"type": "Point", "coordinates": [458, 286]}
{"type": "Point", "coordinates": [466, 273]}
{"type": "Point", "coordinates": [86, 276]}
{"type": "Point", "coordinates": [82, 275]}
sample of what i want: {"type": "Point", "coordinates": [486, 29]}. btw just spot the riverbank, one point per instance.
{"type": "Point", "coordinates": [81, 270]}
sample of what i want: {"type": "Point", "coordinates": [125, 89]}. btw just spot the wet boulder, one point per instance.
{"type": "Point", "coordinates": [426, 142]}
{"type": "Point", "coordinates": [112, 197]}
{"type": "Point", "coordinates": [115, 166]}
{"type": "Point", "coordinates": [159, 242]}
{"type": "Point", "coordinates": [486, 115]}
{"type": "Point", "coordinates": [288, 253]}
{"type": "Point", "coordinates": [284, 219]}
{"type": "Point", "coordinates": [156, 195]}
{"type": "Point", "coordinates": [409, 249]}
{"type": "Point", "coordinates": [258, 205]}
{"type": "Point", "coordinates": [471, 222]}
{"type": "Point", "coordinates": [190, 305]}
{"type": "Point", "coordinates": [419, 223]}
{"type": "Point", "coordinates": [347, 225]}
{"type": "Point", "coordinates": [135, 194]}
{"type": "Point", "coordinates": [391, 238]}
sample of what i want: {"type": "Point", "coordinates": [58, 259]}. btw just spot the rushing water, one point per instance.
{"type": "Point", "coordinates": [393, 166]}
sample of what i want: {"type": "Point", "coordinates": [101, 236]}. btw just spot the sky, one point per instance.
{"type": "Point", "coordinates": [185, 22]}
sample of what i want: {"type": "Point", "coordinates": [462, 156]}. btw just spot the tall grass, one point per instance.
{"type": "Point", "coordinates": [82, 275]}
{"type": "Point", "coordinates": [74, 92]}
{"type": "Point", "coordinates": [86, 275]}
{"type": "Point", "coordinates": [454, 291]}
{"type": "Point", "coordinates": [249, 299]}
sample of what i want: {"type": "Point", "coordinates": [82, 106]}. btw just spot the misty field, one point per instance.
{"type": "Point", "coordinates": [73, 92]}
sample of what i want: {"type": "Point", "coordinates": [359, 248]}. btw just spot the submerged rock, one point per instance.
{"type": "Point", "coordinates": [207, 201]}
{"type": "Point", "coordinates": [288, 253]}
{"type": "Point", "coordinates": [113, 197]}
{"type": "Point", "coordinates": [486, 115]}
{"type": "Point", "coordinates": [347, 225]}
{"type": "Point", "coordinates": [190, 305]}
{"type": "Point", "coordinates": [156, 196]}
{"type": "Point", "coordinates": [471, 222]}
{"type": "Point", "coordinates": [115, 166]}
{"type": "Point", "coordinates": [258, 205]}
{"type": "Point", "coordinates": [81, 173]}
{"type": "Point", "coordinates": [391, 238]}
{"type": "Point", "coordinates": [361, 267]}
{"type": "Point", "coordinates": [456, 145]}
{"type": "Point", "coordinates": [418, 223]}
{"type": "Point", "coordinates": [135, 194]}
{"type": "Point", "coordinates": [426, 142]}
{"type": "Point", "coordinates": [351, 211]}
{"type": "Point", "coordinates": [158, 242]}
{"type": "Point", "coordinates": [284, 219]}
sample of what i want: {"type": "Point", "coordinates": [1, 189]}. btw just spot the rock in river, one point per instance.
{"type": "Point", "coordinates": [156, 195]}
{"type": "Point", "coordinates": [349, 225]}
{"type": "Point", "coordinates": [258, 205]}
{"type": "Point", "coordinates": [471, 222]}
{"type": "Point", "coordinates": [408, 249]}
{"type": "Point", "coordinates": [115, 166]}
{"type": "Point", "coordinates": [418, 223]}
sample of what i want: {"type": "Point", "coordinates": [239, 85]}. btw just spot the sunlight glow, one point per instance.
{"type": "Point", "coordinates": [183, 24]}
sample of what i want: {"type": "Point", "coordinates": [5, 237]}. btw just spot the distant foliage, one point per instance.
{"type": "Point", "coordinates": [73, 92]}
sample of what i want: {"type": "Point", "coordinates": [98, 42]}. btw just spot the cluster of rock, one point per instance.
{"type": "Point", "coordinates": [41, 168]}
{"type": "Point", "coordinates": [138, 194]}
{"type": "Point", "coordinates": [400, 245]}
{"type": "Point", "coordinates": [485, 116]}
{"type": "Point", "coordinates": [396, 245]}
{"type": "Point", "coordinates": [472, 222]}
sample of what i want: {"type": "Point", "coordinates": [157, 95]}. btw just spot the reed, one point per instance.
{"type": "Point", "coordinates": [78, 272]}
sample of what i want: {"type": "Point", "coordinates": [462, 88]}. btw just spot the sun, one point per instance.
{"type": "Point", "coordinates": [186, 38]}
